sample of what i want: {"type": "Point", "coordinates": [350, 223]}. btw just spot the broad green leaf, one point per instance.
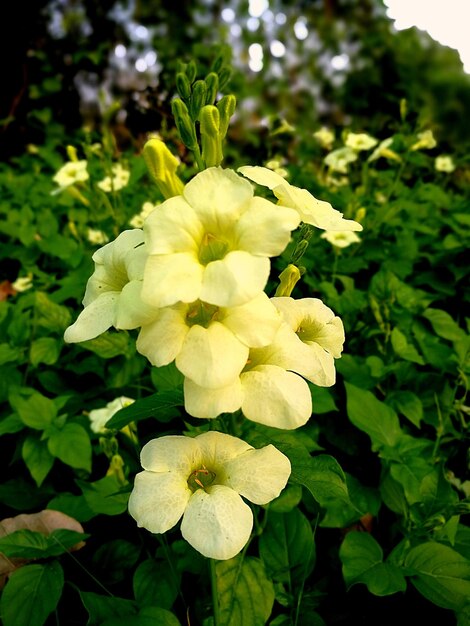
{"type": "Point", "coordinates": [37, 457]}
{"type": "Point", "coordinates": [373, 417]}
{"type": "Point", "coordinates": [407, 403]}
{"type": "Point", "coordinates": [443, 324]}
{"type": "Point", "coordinates": [155, 583]}
{"type": "Point", "coordinates": [167, 377]}
{"type": "Point", "coordinates": [36, 411]}
{"type": "Point", "coordinates": [101, 608]}
{"type": "Point", "coordinates": [110, 344]}
{"type": "Point", "coordinates": [114, 559]}
{"type": "Point", "coordinates": [44, 350]}
{"type": "Point", "coordinates": [288, 499]}
{"type": "Point", "coordinates": [52, 316]}
{"type": "Point", "coordinates": [105, 495]}
{"type": "Point", "coordinates": [404, 349]}
{"type": "Point", "coordinates": [147, 616]}
{"type": "Point", "coordinates": [72, 446]}
{"type": "Point", "coordinates": [9, 354]}
{"type": "Point", "coordinates": [287, 544]}
{"type": "Point", "coordinates": [246, 595]}
{"type": "Point", "coordinates": [75, 506]}
{"type": "Point", "coordinates": [322, 399]}
{"type": "Point", "coordinates": [31, 594]}
{"type": "Point", "coordinates": [11, 424]}
{"type": "Point", "coordinates": [410, 475]}
{"type": "Point", "coordinates": [29, 544]}
{"type": "Point", "coordinates": [147, 407]}
{"type": "Point", "coordinates": [362, 560]}
{"type": "Point", "coordinates": [440, 574]}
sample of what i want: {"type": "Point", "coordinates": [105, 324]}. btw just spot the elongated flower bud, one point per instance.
{"type": "Point", "coordinates": [184, 123]}
{"type": "Point", "coordinates": [191, 71]}
{"type": "Point", "coordinates": [162, 167]}
{"type": "Point", "coordinates": [210, 137]}
{"type": "Point", "coordinates": [226, 107]}
{"type": "Point", "coordinates": [183, 86]}
{"type": "Point", "coordinates": [198, 99]}
{"type": "Point", "coordinates": [288, 279]}
{"type": "Point", "coordinates": [212, 84]}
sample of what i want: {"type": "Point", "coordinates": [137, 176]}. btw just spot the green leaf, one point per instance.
{"type": "Point", "coordinates": [105, 495]}
{"type": "Point", "coordinates": [37, 457]}
{"type": "Point", "coordinates": [147, 616]}
{"type": "Point", "coordinates": [443, 325]}
{"type": "Point", "coordinates": [286, 545]}
{"type": "Point", "coordinates": [31, 594]}
{"type": "Point", "coordinates": [246, 595]}
{"type": "Point", "coordinates": [147, 407]}
{"type": "Point", "coordinates": [440, 574]}
{"type": "Point", "coordinates": [100, 608]}
{"type": "Point", "coordinates": [373, 417]}
{"type": "Point", "coordinates": [44, 350]}
{"type": "Point", "coordinates": [72, 446]}
{"type": "Point", "coordinates": [407, 403]}
{"type": "Point", "coordinates": [11, 424]}
{"type": "Point", "coordinates": [74, 506]}
{"type": "Point", "coordinates": [52, 316]}
{"type": "Point", "coordinates": [362, 560]}
{"type": "Point", "coordinates": [323, 401]}
{"type": "Point", "coordinates": [36, 411]}
{"type": "Point", "coordinates": [404, 349]}
{"type": "Point", "coordinates": [9, 354]}
{"type": "Point", "coordinates": [155, 583]}
{"type": "Point", "coordinates": [114, 559]}
{"type": "Point", "coordinates": [167, 377]}
{"type": "Point", "coordinates": [110, 344]}
{"type": "Point", "coordinates": [29, 544]}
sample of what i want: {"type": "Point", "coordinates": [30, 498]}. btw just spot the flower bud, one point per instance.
{"type": "Point", "coordinates": [210, 137]}
{"type": "Point", "coordinates": [183, 86]}
{"type": "Point", "coordinates": [212, 85]}
{"type": "Point", "coordinates": [183, 123]}
{"type": "Point", "coordinates": [162, 166]}
{"type": "Point", "coordinates": [288, 279]}
{"type": "Point", "coordinates": [226, 107]}
{"type": "Point", "coordinates": [224, 76]}
{"type": "Point", "coordinates": [72, 153]}
{"type": "Point", "coordinates": [198, 99]}
{"type": "Point", "coordinates": [191, 71]}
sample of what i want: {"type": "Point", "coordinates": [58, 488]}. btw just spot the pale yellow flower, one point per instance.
{"type": "Point", "coordinates": [203, 480]}
{"type": "Point", "coordinates": [70, 173]}
{"type": "Point", "coordinates": [99, 417]}
{"type": "Point", "coordinates": [138, 220]}
{"type": "Point", "coordinates": [360, 141]}
{"type": "Point", "coordinates": [97, 237]}
{"type": "Point", "coordinates": [425, 141]}
{"type": "Point", "coordinates": [209, 344]}
{"type": "Point", "coordinates": [213, 243]}
{"type": "Point", "coordinates": [318, 213]}
{"type": "Point", "coordinates": [325, 137]}
{"type": "Point", "coordinates": [269, 390]}
{"type": "Point", "coordinates": [119, 179]}
{"type": "Point", "coordinates": [339, 160]}
{"type": "Point", "coordinates": [383, 150]}
{"type": "Point", "coordinates": [340, 239]}
{"type": "Point", "coordinates": [23, 284]}
{"type": "Point", "coordinates": [112, 296]}
{"type": "Point", "coordinates": [444, 163]}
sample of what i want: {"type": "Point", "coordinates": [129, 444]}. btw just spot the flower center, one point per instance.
{"type": "Point", "coordinates": [212, 248]}
{"type": "Point", "coordinates": [201, 314]}
{"type": "Point", "coordinates": [201, 478]}
{"type": "Point", "coordinates": [308, 331]}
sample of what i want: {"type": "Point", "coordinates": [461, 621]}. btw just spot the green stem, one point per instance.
{"type": "Point", "coordinates": [198, 157]}
{"type": "Point", "coordinates": [215, 595]}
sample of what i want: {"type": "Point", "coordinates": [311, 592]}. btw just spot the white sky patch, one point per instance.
{"type": "Point", "coordinates": [447, 21]}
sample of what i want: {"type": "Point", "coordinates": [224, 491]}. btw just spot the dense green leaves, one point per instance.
{"type": "Point", "coordinates": [31, 594]}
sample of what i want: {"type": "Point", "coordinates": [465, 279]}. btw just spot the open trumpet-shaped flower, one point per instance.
{"type": "Point", "coordinates": [311, 211]}
{"type": "Point", "coordinates": [210, 344]}
{"type": "Point", "coordinates": [112, 296]}
{"type": "Point", "coordinates": [269, 390]}
{"type": "Point", "coordinates": [321, 336]}
{"type": "Point", "coordinates": [202, 480]}
{"type": "Point", "coordinates": [213, 243]}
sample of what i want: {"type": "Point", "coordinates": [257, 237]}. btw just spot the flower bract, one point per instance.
{"type": "Point", "coordinates": [203, 480]}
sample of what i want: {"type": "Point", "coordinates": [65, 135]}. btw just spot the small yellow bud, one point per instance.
{"type": "Point", "coordinates": [360, 214]}
{"type": "Point", "coordinates": [162, 166]}
{"type": "Point", "coordinates": [116, 468]}
{"type": "Point", "coordinates": [72, 153]}
{"type": "Point", "coordinates": [288, 279]}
